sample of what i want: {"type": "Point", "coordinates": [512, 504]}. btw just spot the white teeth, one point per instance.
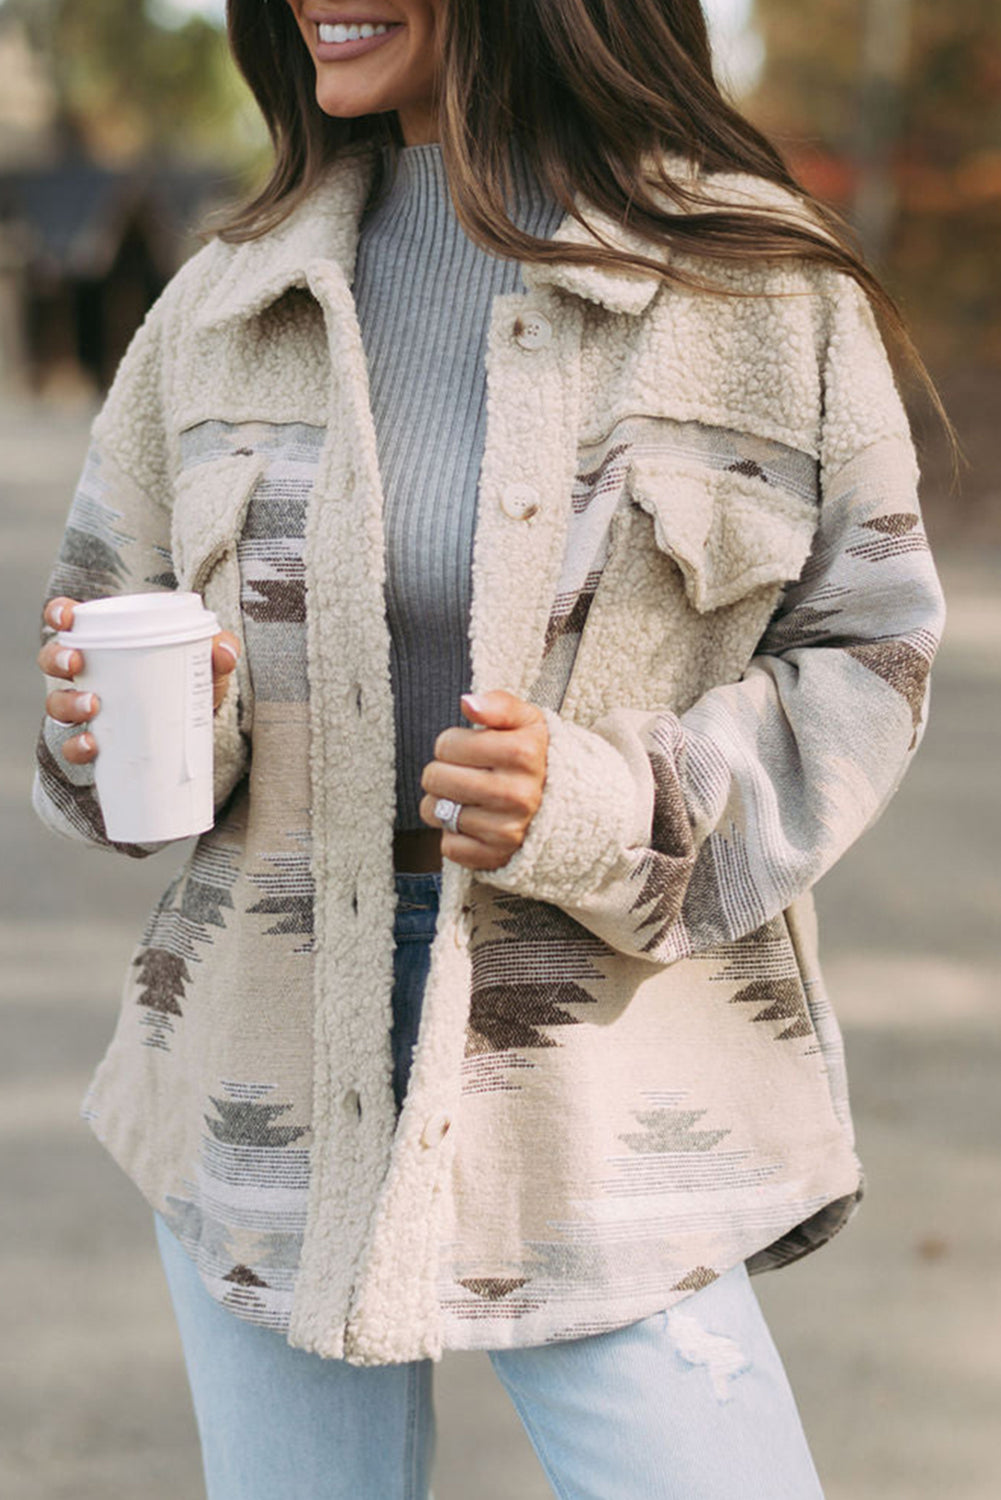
{"type": "Point", "coordinates": [353, 33]}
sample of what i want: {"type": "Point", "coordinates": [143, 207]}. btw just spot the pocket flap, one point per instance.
{"type": "Point", "coordinates": [210, 502]}
{"type": "Point", "coordinates": [728, 531]}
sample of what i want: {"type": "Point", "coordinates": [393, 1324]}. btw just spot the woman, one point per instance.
{"type": "Point", "coordinates": [531, 369]}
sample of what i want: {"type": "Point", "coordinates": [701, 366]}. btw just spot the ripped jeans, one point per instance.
{"type": "Point", "coordinates": [690, 1404]}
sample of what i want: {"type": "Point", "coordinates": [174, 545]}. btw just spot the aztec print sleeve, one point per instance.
{"type": "Point", "coordinates": [667, 834]}
{"type": "Point", "coordinates": [117, 541]}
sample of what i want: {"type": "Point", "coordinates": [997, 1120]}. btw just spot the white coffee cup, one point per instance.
{"type": "Point", "coordinates": [148, 657]}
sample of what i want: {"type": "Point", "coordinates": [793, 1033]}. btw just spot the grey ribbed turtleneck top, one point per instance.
{"type": "Point", "coordinates": [424, 292]}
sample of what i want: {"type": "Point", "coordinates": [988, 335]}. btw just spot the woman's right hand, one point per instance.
{"type": "Point", "coordinates": [68, 706]}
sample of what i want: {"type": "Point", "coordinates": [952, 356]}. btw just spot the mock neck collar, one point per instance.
{"type": "Point", "coordinates": [416, 195]}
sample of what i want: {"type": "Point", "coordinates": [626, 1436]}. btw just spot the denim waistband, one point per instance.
{"type": "Point", "coordinates": [418, 890]}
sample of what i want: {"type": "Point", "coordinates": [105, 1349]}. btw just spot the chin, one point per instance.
{"type": "Point", "coordinates": [348, 107]}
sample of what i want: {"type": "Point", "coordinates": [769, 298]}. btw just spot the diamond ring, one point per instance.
{"type": "Point", "coordinates": [447, 812]}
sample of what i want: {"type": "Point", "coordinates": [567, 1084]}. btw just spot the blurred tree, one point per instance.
{"type": "Point", "coordinates": [131, 87]}
{"type": "Point", "coordinates": [892, 110]}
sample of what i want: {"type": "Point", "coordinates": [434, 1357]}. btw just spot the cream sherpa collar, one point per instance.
{"type": "Point", "coordinates": [324, 228]}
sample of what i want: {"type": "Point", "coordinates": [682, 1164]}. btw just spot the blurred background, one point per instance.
{"type": "Point", "coordinates": [122, 123]}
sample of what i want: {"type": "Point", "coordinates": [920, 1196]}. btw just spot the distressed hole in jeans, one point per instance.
{"type": "Point", "coordinates": [722, 1357]}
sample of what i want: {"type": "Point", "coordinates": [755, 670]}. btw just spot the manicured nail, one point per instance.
{"type": "Point", "coordinates": [88, 703]}
{"type": "Point", "coordinates": [86, 742]}
{"type": "Point", "coordinates": [54, 615]}
{"type": "Point", "coordinates": [475, 701]}
{"type": "Point", "coordinates": [231, 650]}
{"type": "Point", "coordinates": [64, 659]}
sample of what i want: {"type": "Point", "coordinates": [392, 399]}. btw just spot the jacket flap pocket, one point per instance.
{"type": "Point", "coordinates": [210, 502]}
{"type": "Point", "coordinates": [729, 532]}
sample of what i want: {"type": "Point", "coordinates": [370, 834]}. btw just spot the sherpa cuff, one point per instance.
{"type": "Point", "coordinates": [597, 803]}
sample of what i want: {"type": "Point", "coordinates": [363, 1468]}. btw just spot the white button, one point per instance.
{"type": "Point", "coordinates": [532, 330]}
{"type": "Point", "coordinates": [519, 501]}
{"type": "Point", "coordinates": [435, 1130]}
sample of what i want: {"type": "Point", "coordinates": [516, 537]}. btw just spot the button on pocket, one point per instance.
{"type": "Point", "coordinates": [532, 330]}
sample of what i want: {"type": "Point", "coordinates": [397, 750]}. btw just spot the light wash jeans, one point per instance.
{"type": "Point", "coordinates": [690, 1404]}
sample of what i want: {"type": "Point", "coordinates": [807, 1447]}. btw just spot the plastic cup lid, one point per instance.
{"type": "Point", "coordinates": [128, 620]}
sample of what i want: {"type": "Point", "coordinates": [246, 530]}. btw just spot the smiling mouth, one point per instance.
{"type": "Point", "coordinates": [342, 40]}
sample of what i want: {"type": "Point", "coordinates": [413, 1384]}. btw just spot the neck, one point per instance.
{"type": "Point", "coordinates": [418, 125]}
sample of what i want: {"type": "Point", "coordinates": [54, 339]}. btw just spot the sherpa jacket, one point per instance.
{"type": "Point", "coordinates": [698, 548]}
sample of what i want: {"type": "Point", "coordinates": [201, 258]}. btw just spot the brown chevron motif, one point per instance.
{"type": "Point", "coordinates": [512, 998]}
{"type": "Point", "coordinates": [279, 600]}
{"type": "Point", "coordinates": [781, 1000]}
{"type": "Point", "coordinates": [765, 953]}
{"type": "Point", "coordinates": [895, 535]}
{"type": "Point", "coordinates": [190, 907]}
{"type": "Point", "coordinates": [901, 665]}
{"type": "Point", "coordinates": [748, 467]}
{"type": "Point", "coordinates": [898, 524]}
{"type": "Point", "coordinates": [541, 922]}
{"type": "Point", "coordinates": [162, 977]}
{"type": "Point", "coordinates": [503, 1017]}
{"type": "Point", "coordinates": [493, 1288]}
{"type": "Point", "coordinates": [244, 1276]}
{"type": "Point", "coordinates": [695, 1279]}
{"type": "Point", "coordinates": [288, 892]}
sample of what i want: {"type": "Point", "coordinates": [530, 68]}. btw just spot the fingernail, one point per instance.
{"type": "Point", "coordinates": [88, 703]}
{"type": "Point", "coordinates": [54, 615]}
{"type": "Point", "coordinates": [86, 742]}
{"type": "Point", "coordinates": [64, 659]}
{"type": "Point", "coordinates": [225, 646]}
{"type": "Point", "coordinates": [475, 701]}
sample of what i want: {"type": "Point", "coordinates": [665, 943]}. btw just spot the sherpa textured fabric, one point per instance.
{"type": "Point", "coordinates": [698, 548]}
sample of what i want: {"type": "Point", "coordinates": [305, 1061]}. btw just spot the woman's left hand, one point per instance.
{"type": "Point", "coordinates": [497, 772]}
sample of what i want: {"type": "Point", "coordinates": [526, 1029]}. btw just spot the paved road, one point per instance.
{"type": "Point", "coordinates": [889, 1334]}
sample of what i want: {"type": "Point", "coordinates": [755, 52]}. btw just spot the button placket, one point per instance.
{"type": "Point", "coordinates": [435, 1130]}
{"type": "Point", "coordinates": [520, 502]}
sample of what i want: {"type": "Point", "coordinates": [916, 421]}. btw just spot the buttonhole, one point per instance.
{"type": "Point", "coordinates": [354, 901]}
{"type": "Point", "coordinates": [243, 452]}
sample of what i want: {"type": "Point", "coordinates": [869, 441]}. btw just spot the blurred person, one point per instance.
{"type": "Point", "coordinates": [530, 390]}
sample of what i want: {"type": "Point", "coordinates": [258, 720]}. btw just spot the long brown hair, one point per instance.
{"type": "Point", "coordinates": [596, 93]}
